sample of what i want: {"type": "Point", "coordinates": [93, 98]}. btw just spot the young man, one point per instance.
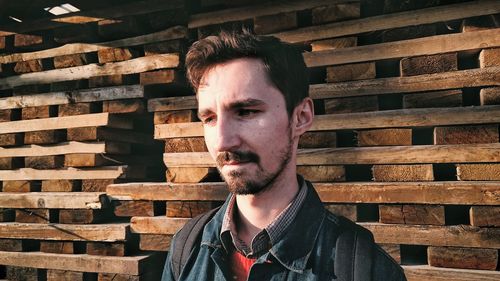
{"type": "Point", "coordinates": [253, 102]}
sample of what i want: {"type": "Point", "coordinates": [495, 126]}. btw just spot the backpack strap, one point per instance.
{"type": "Point", "coordinates": [187, 239]}
{"type": "Point", "coordinates": [353, 253]}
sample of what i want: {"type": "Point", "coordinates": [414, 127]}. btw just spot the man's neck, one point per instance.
{"type": "Point", "coordinates": [255, 212]}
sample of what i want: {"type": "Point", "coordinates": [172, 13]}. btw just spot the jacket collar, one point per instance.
{"type": "Point", "coordinates": [295, 247]}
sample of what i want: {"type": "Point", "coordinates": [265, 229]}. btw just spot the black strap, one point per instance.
{"type": "Point", "coordinates": [353, 253]}
{"type": "Point", "coordinates": [187, 239]}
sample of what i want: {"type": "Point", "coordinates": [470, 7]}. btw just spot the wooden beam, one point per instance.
{"type": "Point", "coordinates": [391, 21]}
{"type": "Point", "coordinates": [365, 155]}
{"type": "Point", "coordinates": [479, 77]}
{"type": "Point", "coordinates": [156, 225]}
{"type": "Point", "coordinates": [60, 149]}
{"type": "Point", "coordinates": [249, 12]}
{"type": "Point", "coordinates": [53, 200]}
{"type": "Point", "coordinates": [133, 265]}
{"type": "Point", "coordinates": [168, 191]}
{"type": "Point", "coordinates": [92, 70]}
{"type": "Point", "coordinates": [430, 273]}
{"type": "Point", "coordinates": [172, 103]}
{"type": "Point", "coordinates": [419, 117]}
{"type": "Point", "coordinates": [68, 232]}
{"type": "Point", "coordinates": [110, 172]}
{"type": "Point", "coordinates": [66, 122]}
{"type": "Point", "coordinates": [432, 45]}
{"type": "Point", "coordinates": [70, 97]}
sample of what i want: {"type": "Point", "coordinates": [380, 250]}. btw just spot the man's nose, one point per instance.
{"type": "Point", "coordinates": [227, 135]}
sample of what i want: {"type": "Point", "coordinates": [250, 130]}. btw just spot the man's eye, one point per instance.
{"type": "Point", "coordinates": [207, 120]}
{"type": "Point", "coordinates": [246, 112]}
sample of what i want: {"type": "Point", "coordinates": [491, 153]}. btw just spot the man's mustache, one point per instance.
{"type": "Point", "coordinates": [237, 156]}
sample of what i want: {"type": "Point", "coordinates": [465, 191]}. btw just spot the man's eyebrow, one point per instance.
{"type": "Point", "coordinates": [245, 103]}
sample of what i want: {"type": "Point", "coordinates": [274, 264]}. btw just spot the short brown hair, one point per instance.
{"type": "Point", "coordinates": [283, 62]}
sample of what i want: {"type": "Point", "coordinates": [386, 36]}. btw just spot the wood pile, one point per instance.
{"type": "Point", "coordinates": [405, 141]}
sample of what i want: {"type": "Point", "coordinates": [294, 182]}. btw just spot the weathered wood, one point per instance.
{"type": "Point", "coordinates": [412, 214]}
{"type": "Point", "coordinates": [428, 64]}
{"type": "Point", "coordinates": [62, 275]}
{"type": "Point", "coordinates": [34, 216]}
{"type": "Point", "coordinates": [43, 137]}
{"type": "Point", "coordinates": [417, 172]}
{"type": "Point", "coordinates": [365, 155]}
{"type": "Point", "coordinates": [124, 106]}
{"type": "Point", "coordinates": [478, 171]}
{"type": "Point", "coordinates": [134, 265]}
{"type": "Point", "coordinates": [13, 245]}
{"type": "Point", "coordinates": [116, 54]}
{"type": "Point", "coordinates": [349, 72]}
{"type": "Point", "coordinates": [448, 98]}
{"type": "Point", "coordinates": [70, 97]}
{"type": "Point", "coordinates": [393, 250]}
{"type": "Point", "coordinates": [349, 211]}
{"type": "Point", "coordinates": [489, 57]}
{"type": "Point", "coordinates": [92, 70]}
{"type": "Point", "coordinates": [484, 216]}
{"type": "Point", "coordinates": [479, 23]}
{"type": "Point", "coordinates": [57, 247]}
{"type": "Point", "coordinates": [7, 115]}
{"type": "Point", "coordinates": [97, 185]}
{"type": "Point", "coordinates": [37, 112]}
{"type": "Point", "coordinates": [165, 47]}
{"type": "Point", "coordinates": [21, 186]}
{"type": "Point", "coordinates": [466, 258]}
{"type": "Point", "coordinates": [172, 103]}
{"type": "Point", "coordinates": [61, 186]}
{"type": "Point", "coordinates": [154, 242]}
{"type": "Point", "coordinates": [11, 163]}
{"type": "Point", "coordinates": [332, 44]}
{"type": "Point", "coordinates": [337, 12]}
{"type": "Point", "coordinates": [479, 77]}
{"type": "Point", "coordinates": [150, 274]}
{"type": "Point", "coordinates": [71, 60]}
{"type": "Point", "coordinates": [65, 232]}
{"type": "Point", "coordinates": [163, 76]}
{"type": "Point", "coordinates": [11, 139]}
{"type": "Point", "coordinates": [89, 120]}
{"type": "Point", "coordinates": [425, 272]}
{"type": "Point", "coordinates": [390, 21]}
{"type": "Point", "coordinates": [139, 208]}
{"type": "Point", "coordinates": [156, 225]}
{"type": "Point", "coordinates": [274, 23]}
{"type": "Point", "coordinates": [466, 134]}
{"type": "Point", "coordinates": [190, 175]}
{"type": "Point", "coordinates": [107, 249]}
{"type": "Point", "coordinates": [175, 32]}
{"type": "Point", "coordinates": [28, 66]}
{"type": "Point", "coordinates": [63, 148]}
{"type": "Point", "coordinates": [44, 162]}
{"type": "Point", "coordinates": [78, 109]}
{"type": "Point", "coordinates": [21, 273]}
{"type": "Point", "coordinates": [109, 134]}
{"type": "Point", "coordinates": [189, 209]}
{"type": "Point", "coordinates": [28, 40]}
{"type": "Point", "coordinates": [380, 137]}
{"type": "Point", "coordinates": [322, 173]}
{"type": "Point", "coordinates": [110, 172]}
{"type": "Point", "coordinates": [317, 140]}
{"type": "Point", "coordinates": [185, 145]}
{"type": "Point", "coordinates": [177, 116]}
{"type": "Point", "coordinates": [490, 96]}
{"type": "Point", "coordinates": [248, 12]}
{"type": "Point", "coordinates": [53, 200]}
{"type": "Point", "coordinates": [109, 80]}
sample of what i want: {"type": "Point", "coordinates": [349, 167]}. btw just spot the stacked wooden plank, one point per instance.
{"type": "Point", "coordinates": [73, 120]}
{"type": "Point", "coordinates": [405, 140]}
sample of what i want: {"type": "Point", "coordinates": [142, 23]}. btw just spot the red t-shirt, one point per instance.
{"type": "Point", "coordinates": [240, 265]}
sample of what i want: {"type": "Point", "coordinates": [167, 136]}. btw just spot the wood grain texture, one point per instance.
{"type": "Point", "coordinates": [474, 172]}
{"type": "Point", "coordinates": [412, 214]}
{"type": "Point", "coordinates": [416, 172]}
{"type": "Point", "coordinates": [485, 216]}
{"type": "Point", "coordinates": [466, 134]}
{"type": "Point", "coordinates": [380, 137]}
{"type": "Point", "coordinates": [425, 272]}
{"type": "Point", "coordinates": [466, 258]}
{"type": "Point", "coordinates": [53, 200]}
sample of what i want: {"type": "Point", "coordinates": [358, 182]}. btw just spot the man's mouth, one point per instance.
{"type": "Point", "coordinates": [236, 158]}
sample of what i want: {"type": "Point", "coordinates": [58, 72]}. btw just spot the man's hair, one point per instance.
{"type": "Point", "coordinates": [283, 62]}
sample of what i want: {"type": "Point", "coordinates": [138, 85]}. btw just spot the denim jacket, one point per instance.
{"type": "Point", "coordinates": [306, 252]}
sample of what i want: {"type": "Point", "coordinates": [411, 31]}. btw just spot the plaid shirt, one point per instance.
{"type": "Point", "coordinates": [271, 234]}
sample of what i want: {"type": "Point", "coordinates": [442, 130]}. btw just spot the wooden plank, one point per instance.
{"type": "Point", "coordinates": [139, 208]}
{"type": "Point", "coordinates": [14, 245]}
{"type": "Point", "coordinates": [110, 134]}
{"type": "Point", "coordinates": [365, 155]}
{"type": "Point", "coordinates": [60, 149]}
{"type": "Point", "coordinates": [34, 216]}
{"type": "Point", "coordinates": [191, 174]}
{"type": "Point", "coordinates": [168, 191]}
{"type": "Point", "coordinates": [351, 105]}
{"type": "Point", "coordinates": [92, 70]}
{"type": "Point", "coordinates": [61, 186]}
{"type": "Point", "coordinates": [43, 137]}
{"type": "Point", "coordinates": [318, 139]}
{"type": "Point", "coordinates": [109, 80]}
{"type": "Point", "coordinates": [349, 211]}
{"type": "Point", "coordinates": [248, 12]}
{"type": "Point", "coordinates": [63, 275]}
{"type": "Point", "coordinates": [108, 249]}
{"type": "Point", "coordinates": [335, 43]}
{"type": "Point", "coordinates": [322, 173]}
{"type": "Point", "coordinates": [189, 209]}
{"type": "Point", "coordinates": [28, 66]}
{"type": "Point", "coordinates": [453, 236]}
{"type": "Point", "coordinates": [479, 77]}
{"type": "Point", "coordinates": [11, 139]}
{"type": "Point", "coordinates": [336, 12]}
{"type": "Point", "coordinates": [489, 57]}
{"type": "Point", "coordinates": [274, 23]}
{"type": "Point", "coordinates": [484, 216]}
{"type": "Point", "coordinates": [476, 172]}
{"type": "Point", "coordinates": [176, 116]}
{"type": "Point", "coordinates": [391, 21]}
{"type": "Point", "coordinates": [59, 247]}
{"type": "Point", "coordinates": [367, 120]}
{"type": "Point", "coordinates": [80, 108]}
{"type": "Point", "coordinates": [66, 232]}
{"type": "Point", "coordinates": [429, 64]}
{"type": "Point", "coordinates": [156, 225]}
{"type": "Point", "coordinates": [116, 54]}
{"type": "Point", "coordinates": [110, 172]}
{"type": "Point", "coordinates": [349, 72]}
{"type": "Point", "coordinates": [82, 216]}
{"type": "Point", "coordinates": [465, 258]}
{"type": "Point", "coordinates": [393, 250]}
{"type": "Point", "coordinates": [69, 97]}
{"type": "Point", "coordinates": [154, 242]}
{"type": "Point", "coordinates": [412, 214]}
{"type": "Point", "coordinates": [185, 145]}
{"type": "Point", "coordinates": [171, 33]}
{"type": "Point", "coordinates": [54, 123]}
{"type": "Point", "coordinates": [490, 96]}
{"type": "Point", "coordinates": [133, 265]}
{"type": "Point", "coordinates": [72, 60]}
{"type": "Point", "coordinates": [21, 186]}
{"type": "Point", "coordinates": [466, 134]}
{"type": "Point", "coordinates": [379, 137]}
{"type": "Point", "coordinates": [21, 273]}
{"type": "Point", "coordinates": [172, 103]}
{"type": "Point", "coordinates": [98, 185]}
{"type": "Point", "coordinates": [425, 272]}
{"type": "Point", "coordinates": [416, 172]}
{"type": "Point", "coordinates": [446, 98]}
{"type": "Point", "coordinates": [124, 106]}
{"type": "Point", "coordinates": [44, 162]}
{"type": "Point", "coordinates": [53, 200]}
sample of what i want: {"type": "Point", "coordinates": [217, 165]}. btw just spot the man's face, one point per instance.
{"type": "Point", "coordinates": [247, 129]}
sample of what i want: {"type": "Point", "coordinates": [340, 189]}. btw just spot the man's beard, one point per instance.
{"type": "Point", "coordinates": [242, 183]}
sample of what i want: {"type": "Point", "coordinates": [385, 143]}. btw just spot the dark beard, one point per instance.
{"type": "Point", "coordinates": [236, 181]}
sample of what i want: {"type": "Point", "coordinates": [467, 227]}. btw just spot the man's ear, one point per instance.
{"type": "Point", "coordinates": [303, 115]}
